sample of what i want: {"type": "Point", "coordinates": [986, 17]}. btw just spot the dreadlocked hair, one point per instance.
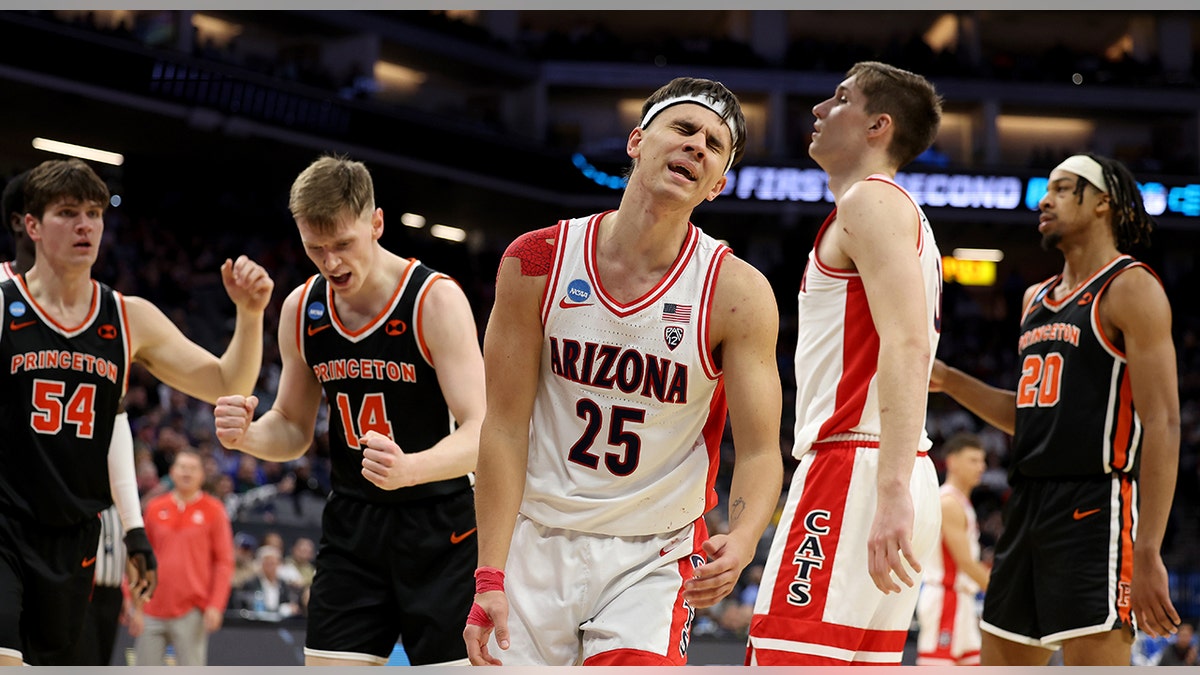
{"type": "Point", "coordinates": [1130, 223]}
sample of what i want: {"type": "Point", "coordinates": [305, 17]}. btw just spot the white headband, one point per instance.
{"type": "Point", "coordinates": [1082, 165]}
{"type": "Point", "coordinates": [706, 101]}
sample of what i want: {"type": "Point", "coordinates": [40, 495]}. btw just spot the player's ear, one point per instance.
{"type": "Point", "coordinates": [377, 224]}
{"type": "Point", "coordinates": [881, 125]}
{"type": "Point", "coordinates": [32, 227]}
{"type": "Point", "coordinates": [718, 188]}
{"type": "Point", "coordinates": [633, 145]}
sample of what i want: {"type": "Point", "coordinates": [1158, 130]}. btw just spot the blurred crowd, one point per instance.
{"type": "Point", "coordinates": [178, 272]}
{"type": "Point", "coordinates": [177, 269]}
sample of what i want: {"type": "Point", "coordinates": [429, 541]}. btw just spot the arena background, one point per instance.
{"type": "Point", "coordinates": [496, 121]}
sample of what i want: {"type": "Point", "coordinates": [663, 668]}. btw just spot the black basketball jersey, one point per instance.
{"type": "Point", "coordinates": [378, 377]}
{"type": "Point", "coordinates": [1075, 415]}
{"type": "Point", "coordinates": [61, 391]}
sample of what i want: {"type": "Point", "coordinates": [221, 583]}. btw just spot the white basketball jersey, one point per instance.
{"type": "Point", "coordinates": [837, 348]}
{"type": "Point", "coordinates": [940, 567]}
{"type": "Point", "coordinates": [630, 408]}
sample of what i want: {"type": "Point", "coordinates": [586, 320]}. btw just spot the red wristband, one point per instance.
{"type": "Point", "coordinates": [478, 617]}
{"type": "Point", "coordinates": [489, 579]}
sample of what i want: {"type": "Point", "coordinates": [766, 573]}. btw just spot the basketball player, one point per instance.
{"type": "Point", "coordinates": [953, 575]}
{"type": "Point", "coordinates": [107, 603]}
{"type": "Point", "coordinates": [13, 200]}
{"type": "Point", "coordinates": [614, 343]}
{"type": "Point", "coordinates": [68, 342]}
{"type": "Point", "coordinates": [840, 583]}
{"type": "Point", "coordinates": [97, 638]}
{"type": "Point", "coordinates": [393, 345]}
{"type": "Point", "coordinates": [1095, 424]}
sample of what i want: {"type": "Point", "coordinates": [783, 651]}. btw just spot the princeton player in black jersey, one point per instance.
{"type": "Point", "coordinates": [96, 641]}
{"type": "Point", "coordinates": [1095, 424]}
{"type": "Point", "coordinates": [13, 201]}
{"type": "Point", "coordinates": [394, 347]}
{"type": "Point", "coordinates": [67, 342]}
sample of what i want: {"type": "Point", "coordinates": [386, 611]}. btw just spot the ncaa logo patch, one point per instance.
{"type": "Point", "coordinates": [17, 309]}
{"type": "Point", "coordinates": [673, 335]}
{"type": "Point", "coordinates": [578, 291]}
{"type": "Point", "coordinates": [316, 310]}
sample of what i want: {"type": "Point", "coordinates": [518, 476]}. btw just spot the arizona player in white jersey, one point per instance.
{"type": "Point", "coordinates": [947, 612]}
{"type": "Point", "coordinates": [862, 505]}
{"type": "Point", "coordinates": [614, 344]}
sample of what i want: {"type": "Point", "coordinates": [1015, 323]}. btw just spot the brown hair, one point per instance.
{"type": "Point", "coordinates": [959, 442]}
{"type": "Point", "coordinates": [910, 99]}
{"type": "Point", "coordinates": [56, 179]}
{"type": "Point", "coordinates": [696, 86]}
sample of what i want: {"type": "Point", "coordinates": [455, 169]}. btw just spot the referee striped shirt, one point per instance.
{"type": "Point", "coordinates": [110, 552]}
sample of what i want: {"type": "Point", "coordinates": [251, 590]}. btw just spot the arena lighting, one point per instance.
{"type": "Point", "coordinates": [968, 272]}
{"type": "Point", "coordinates": [413, 220]}
{"type": "Point", "coordinates": [596, 175]}
{"type": "Point", "coordinates": [988, 254]}
{"type": "Point", "coordinates": [449, 233]}
{"type": "Point", "coordinates": [763, 183]}
{"type": "Point", "coordinates": [80, 151]}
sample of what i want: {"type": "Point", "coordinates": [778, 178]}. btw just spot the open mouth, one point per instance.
{"type": "Point", "coordinates": [682, 171]}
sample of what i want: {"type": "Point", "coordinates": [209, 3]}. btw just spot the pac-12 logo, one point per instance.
{"type": "Point", "coordinates": [316, 310]}
{"type": "Point", "coordinates": [578, 293]}
{"type": "Point", "coordinates": [673, 335]}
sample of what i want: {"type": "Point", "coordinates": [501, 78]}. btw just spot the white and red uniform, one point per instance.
{"type": "Point", "coordinates": [623, 454]}
{"type": "Point", "coordinates": [946, 610]}
{"type": "Point", "coordinates": [817, 603]}
{"type": "Point", "coordinates": [6, 270]}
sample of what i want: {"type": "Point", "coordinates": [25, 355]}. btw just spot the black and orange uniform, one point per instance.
{"type": "Point", "coordinates": [391, 563]}
{"type": "Point", "coordinates": [61, 391]}
{"type": "Point", "coordinates": [1064, 562]}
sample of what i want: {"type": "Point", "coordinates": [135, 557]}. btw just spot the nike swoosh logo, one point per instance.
{"type": "Point", "coordinates": [456, 538]}
{"type": "Point", "coordinates": [671, 546]}
{"type": "Point", "coordinates": [313, 330]}
{"type": "Point", "coordinates": [571, 305]}
{"type": "Point", "coordinates": [18, 326]}
{"type": "Point", "coordinates": [87, 562]}
{"type": "Point", "coordinates": [1080, 515]}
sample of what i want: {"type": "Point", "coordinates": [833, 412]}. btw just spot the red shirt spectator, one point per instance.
{"type": "Point", "coordinates": [193, 541]}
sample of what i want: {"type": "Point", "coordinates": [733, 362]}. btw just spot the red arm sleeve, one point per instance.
{"type": "Point", "coordinates": [535, 250]}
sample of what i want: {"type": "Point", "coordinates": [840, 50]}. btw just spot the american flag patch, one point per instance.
{"type": "Point", "coordinates": [674, 312]}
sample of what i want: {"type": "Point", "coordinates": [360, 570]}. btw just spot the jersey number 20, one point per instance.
{"type": "Point", "coordinates": [1040, 379]}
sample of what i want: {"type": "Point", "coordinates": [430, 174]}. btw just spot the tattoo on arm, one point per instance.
{"type": "Point", "coordinates": [735, 510]}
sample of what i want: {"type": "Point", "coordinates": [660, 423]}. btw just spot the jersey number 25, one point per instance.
{"type": "Point", "coordinates": [618, 435]}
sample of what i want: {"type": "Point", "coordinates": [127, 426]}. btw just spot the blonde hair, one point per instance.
{"type": "Point", "coordinates": [329, 188]}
